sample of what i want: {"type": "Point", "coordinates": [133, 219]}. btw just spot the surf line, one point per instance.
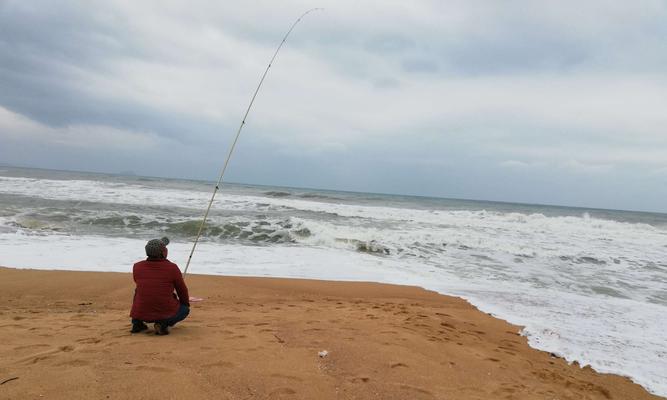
{"type": "Point", "coordinates": [236, 138]}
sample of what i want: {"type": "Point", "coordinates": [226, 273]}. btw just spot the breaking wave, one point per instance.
{"type": "Point", "coordinates": [277, 194]}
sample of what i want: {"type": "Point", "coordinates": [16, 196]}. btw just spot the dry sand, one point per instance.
{"type": "Point", "coordinates": [65, 335]}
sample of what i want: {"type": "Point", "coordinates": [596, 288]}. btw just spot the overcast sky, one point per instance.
{"type": "Point", "coordinates": [556, 102]}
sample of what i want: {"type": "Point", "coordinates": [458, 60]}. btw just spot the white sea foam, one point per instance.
{"type": "Point", "coordinates": [591, 290]}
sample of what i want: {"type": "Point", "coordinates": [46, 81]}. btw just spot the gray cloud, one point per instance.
{"type": "Point", "coordinates": [557, 102]}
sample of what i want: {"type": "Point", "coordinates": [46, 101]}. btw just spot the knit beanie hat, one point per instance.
{"type": "Point", "coordinates": [155, 247]}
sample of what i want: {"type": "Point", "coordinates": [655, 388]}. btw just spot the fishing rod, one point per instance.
{"type": "Point", "coordinates": [236, 138]}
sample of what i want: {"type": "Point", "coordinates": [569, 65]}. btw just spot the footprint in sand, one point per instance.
{"type": "Point", "coordinates": [81, 316]}
{"type": "Point", "coordinates": [12, 326]}
{"type": "Point", "coordinates": [35, 358]}
{"type": "Point", "coordinates": [74, 363]}
{"type": "Point", "coordinates": [281, 393]}
{"type": "Point", "coordinates": [30, 346]}
{"type": "Point", "coordinates": [75, 326]}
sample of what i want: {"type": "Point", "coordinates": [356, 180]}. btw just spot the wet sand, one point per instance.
{"type": "Point", "coordinates": [65, 335]}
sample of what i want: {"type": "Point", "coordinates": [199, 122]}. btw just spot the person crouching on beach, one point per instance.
{"type": "Point", "coordinates": [154, 298]}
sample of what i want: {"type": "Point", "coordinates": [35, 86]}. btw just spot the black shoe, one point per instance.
{"type": "Point", "coordinates": [161, 329]}
{"type": "Point", "coordinates": [138, 327]}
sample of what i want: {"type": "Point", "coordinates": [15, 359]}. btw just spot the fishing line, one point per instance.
{"type": "Point", "coordinates": [236, 138]}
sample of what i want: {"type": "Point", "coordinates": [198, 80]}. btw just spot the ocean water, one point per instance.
{"type": "Point", "coordinates": [588, 285]}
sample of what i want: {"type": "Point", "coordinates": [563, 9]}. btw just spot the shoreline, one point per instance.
{"type": "Point", "coordinates": [67, 336]}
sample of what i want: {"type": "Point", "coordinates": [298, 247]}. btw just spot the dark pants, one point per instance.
{"type": "Point", "coordinates": [180, 315]}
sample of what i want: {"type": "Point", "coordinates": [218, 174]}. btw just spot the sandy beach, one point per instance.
{"type": "Point", "coordinates": [65, 335]}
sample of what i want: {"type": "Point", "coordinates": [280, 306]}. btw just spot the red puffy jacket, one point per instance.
{"type": "Point", "coordinates": [154, 297]}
